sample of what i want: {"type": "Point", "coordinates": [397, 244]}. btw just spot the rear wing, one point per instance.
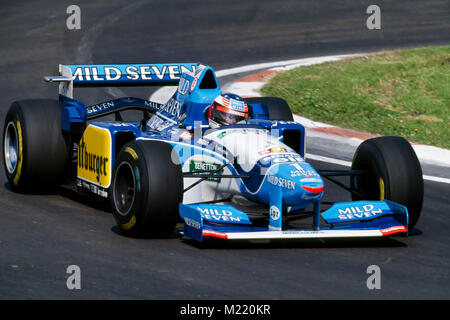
{"type": "Point", "coordinates": [117, 75]}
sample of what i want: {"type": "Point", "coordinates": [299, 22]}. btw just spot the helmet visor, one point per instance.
{"type": "Point", "coordinates": [226, 115]}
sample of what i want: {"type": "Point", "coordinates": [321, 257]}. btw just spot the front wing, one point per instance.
{"type": "Point", "coordinates": [360, 219]}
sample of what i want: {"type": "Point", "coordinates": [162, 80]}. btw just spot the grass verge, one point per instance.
{"type": "Point", "coordinates": [404, 93]}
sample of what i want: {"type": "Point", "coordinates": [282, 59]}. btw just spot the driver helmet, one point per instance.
{"type": "Point", "coordinates": [226, 109]}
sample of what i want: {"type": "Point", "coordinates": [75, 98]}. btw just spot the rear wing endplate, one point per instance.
{"type": "Point", "coordinates": [117, 75]}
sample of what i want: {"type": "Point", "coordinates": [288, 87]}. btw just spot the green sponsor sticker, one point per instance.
{"type": "Point", "coordinates": [222, 134]}
{"type": "Point", "coordinates": [196, 166]}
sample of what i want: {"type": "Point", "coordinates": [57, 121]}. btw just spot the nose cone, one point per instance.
{"type": "Point", "coordinates": [299, 182]}
{"type": "Point", "coordinates": [313, 189]}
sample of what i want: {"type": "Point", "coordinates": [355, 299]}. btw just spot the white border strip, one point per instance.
{"type": "Point", "coordinates": [294, 234]}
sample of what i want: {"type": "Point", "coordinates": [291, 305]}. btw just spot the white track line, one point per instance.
{"type": "Point", "coordinates": [277, 64]}
{"type": "Point", "coordinates": [328, 160]}
{"type": "Point", "coordinates": [436, 179]}
{"type": "Point", "coordinates": [349, 164]}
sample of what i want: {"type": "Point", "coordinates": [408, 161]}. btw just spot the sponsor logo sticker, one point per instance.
{"type": "Point", "coordinates": [192, 223]}
{"type": "Point", "coordinates": [354, 212]}
{"type": "Point", "coordinates": [130, 72]}
{"type": "Point", "coordinates": [275, 149]}
{"type": "Point", "coordinates": [274, 213]}
{"type": "Point", "coordinates": [196, 166]}
{"type": "Point", "coordinates": [218, 215]}
{"type": "Point", "coordinates": [281, 182]}
{"type": "Point", "coordinates": [94, 156]}
{"type": "Point", "coordinates": [100, 107]}
{"type": "Point", "coordinates": [393, 230]}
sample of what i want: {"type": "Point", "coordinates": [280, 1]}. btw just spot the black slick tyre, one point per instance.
{"type": "Point", "coordinates": [146, 189]}
{"type": "Point", "coordinates": [394, 173]}
{"type": "Point", "coordinates": [35, 151]}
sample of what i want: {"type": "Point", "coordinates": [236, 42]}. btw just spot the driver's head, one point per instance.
{"type": "Point", "coordinates": [227, 109]}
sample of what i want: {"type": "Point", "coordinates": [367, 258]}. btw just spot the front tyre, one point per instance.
{"type": "Point", "coordinates": [146, 189]}
{"type": "Point", "coordinates": [394, 173]}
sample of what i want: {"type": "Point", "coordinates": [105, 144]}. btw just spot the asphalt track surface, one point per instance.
{"type": "Point", "coordinates": [42, 234]}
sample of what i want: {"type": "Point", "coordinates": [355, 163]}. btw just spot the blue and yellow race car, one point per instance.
{"type": "Point", "coordinates": [226, 166]}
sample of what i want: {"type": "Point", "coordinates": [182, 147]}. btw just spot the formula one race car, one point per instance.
{"type": "Point", "coordinates": [238, 180]}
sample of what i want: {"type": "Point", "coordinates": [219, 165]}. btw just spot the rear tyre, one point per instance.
{"type": "Point", "coordinates": [35, 150]}
{"type": "Point", "coordinates": [277, 108]}
{"type": "Point", "coordinates": [146, 189]}
{"type": "Point", "coordinates": [394, 174]}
